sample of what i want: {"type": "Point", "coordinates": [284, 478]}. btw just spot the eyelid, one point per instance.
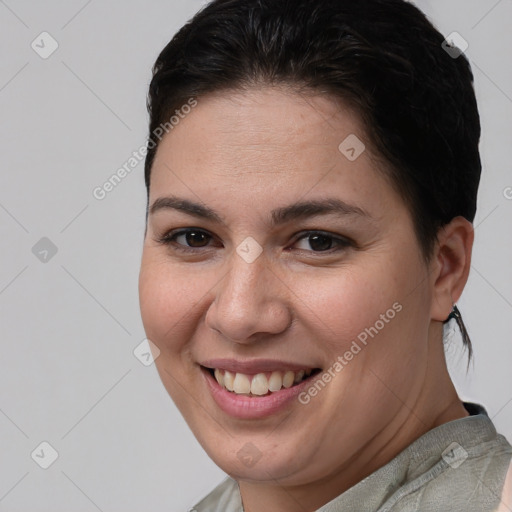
{"type": "Point", "coordinates": [340, 242]}
{"type": "Point", "coordinates": [169, 239]}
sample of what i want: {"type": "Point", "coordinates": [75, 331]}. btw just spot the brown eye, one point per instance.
{"type": "Point", "coordinates": [324, 242]}
{"type": "Point", "coordinates": [191, 240]}
{"type": "Point", "coordinates": [195, 238]}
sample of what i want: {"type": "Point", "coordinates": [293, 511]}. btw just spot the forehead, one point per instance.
{"type": "Point", "coordinates": [270, 118]}
{"type": "Point", "coordinates": [267, 144]}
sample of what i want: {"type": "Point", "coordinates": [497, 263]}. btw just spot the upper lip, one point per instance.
{"type": "Point", "coordinates": [254, 365]}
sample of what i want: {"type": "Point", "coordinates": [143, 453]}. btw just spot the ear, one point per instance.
{"type": "Point", "coordinates": [450, 265]}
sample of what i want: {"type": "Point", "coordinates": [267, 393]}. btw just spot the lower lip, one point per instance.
{"type": "Point", "coordinates": [246, 407]}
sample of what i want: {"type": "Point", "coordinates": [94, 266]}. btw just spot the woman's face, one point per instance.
{"type": "Point", "coordinates": [256, 290]}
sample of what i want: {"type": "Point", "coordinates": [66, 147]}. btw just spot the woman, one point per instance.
{"type": "Point", "coordinates": [312, 174]}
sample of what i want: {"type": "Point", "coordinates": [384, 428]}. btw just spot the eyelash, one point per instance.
{"type": "Point", "coordinates": [170, 237]}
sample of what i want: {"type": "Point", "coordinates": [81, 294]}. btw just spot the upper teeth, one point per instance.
{"type": "Point", "coordinates": [259, 384]}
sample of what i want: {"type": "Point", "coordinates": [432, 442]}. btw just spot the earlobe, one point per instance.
{"type": "Point", "coordinates": [451, 265]}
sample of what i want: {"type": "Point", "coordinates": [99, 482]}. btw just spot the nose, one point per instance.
{"type": "Point", "coordinates": [250, 301]}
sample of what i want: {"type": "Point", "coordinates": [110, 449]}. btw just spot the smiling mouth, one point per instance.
{"type": "Point", "coordinates": [260, 384]}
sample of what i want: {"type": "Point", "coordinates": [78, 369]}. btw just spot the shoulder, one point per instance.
{"type": "Point", "coordinates": [469, 477]}
{"type": "Point", "coordinates": [474, 482]}
{"type": "Point", "coordinates": [506, 495]}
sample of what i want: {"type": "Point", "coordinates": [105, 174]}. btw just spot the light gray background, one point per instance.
{"type": "Point", "coordinates": [69, 326]}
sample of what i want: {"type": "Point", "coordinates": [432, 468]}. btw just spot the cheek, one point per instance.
{"type": "Point", "coordinates": [375, 303]}
{"type": "Point", "coordinates": [169, 300]}
{"type": "Point", "coordinates": [345, 301]}
{"type": "Point", "coordinates": [169, 303]}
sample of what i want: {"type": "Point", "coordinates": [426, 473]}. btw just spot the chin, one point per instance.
{"type": "Point", "coordinates": [249, 458]}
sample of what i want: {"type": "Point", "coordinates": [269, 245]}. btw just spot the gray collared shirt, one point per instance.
{"type": "Point", "coordinates": [460, 466]}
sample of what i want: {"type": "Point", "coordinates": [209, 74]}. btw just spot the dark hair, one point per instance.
{"type": "Point", "coordinates": [383, 57]}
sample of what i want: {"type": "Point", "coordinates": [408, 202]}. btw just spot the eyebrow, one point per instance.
{"type": "Point", "coordinates": [282, 215]}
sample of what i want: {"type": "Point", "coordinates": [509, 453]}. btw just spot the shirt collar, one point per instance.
{"type": "Point", "coordinates": [416, 459]}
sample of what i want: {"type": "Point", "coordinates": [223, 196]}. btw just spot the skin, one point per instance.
{"type": "Point", "coordinates": [245, 153]}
